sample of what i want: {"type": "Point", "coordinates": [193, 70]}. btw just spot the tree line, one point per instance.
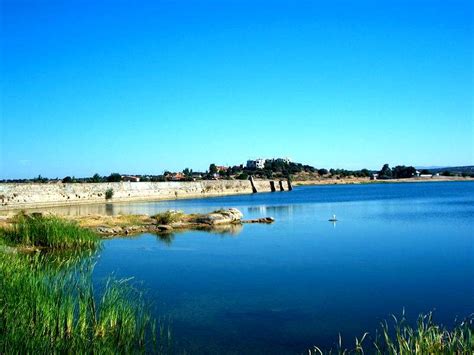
{"type": "Point", "coordinates": [272, 169]}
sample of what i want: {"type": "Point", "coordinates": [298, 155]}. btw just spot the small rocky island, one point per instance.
{"type": "Point", "coordinates": [164, 222]}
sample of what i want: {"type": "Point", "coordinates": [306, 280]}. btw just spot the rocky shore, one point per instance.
{"type": "Point", "coordinates": [166, 222]}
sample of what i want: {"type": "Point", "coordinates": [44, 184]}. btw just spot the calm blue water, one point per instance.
{"type": "Point", "coordinates": [285, 287]}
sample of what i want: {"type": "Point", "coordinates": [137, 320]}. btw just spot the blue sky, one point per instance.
{"type": "Point", "coordinates": [143, 86]}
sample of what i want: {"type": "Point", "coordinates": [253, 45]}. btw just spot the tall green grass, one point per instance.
{"type": "Point", "coordinates": [48, 232]}
{"type": "Point", "coordinates": [48, 303]}
{"type": "Point", "coordinates": [402, 339]}
{"type": "Point", "coordinates": [52, 307]}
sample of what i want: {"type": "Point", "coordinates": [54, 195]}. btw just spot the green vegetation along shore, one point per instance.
{"type": "Point", "coordinates": [48, 302]}
{"type": "Point", "coordinates": [401, 338]}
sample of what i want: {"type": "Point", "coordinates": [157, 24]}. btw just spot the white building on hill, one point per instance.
{"type": "Point", "coordinates": [256, 164]}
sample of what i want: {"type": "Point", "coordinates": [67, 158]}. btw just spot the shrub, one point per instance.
{"type": "Point", "coordinates": [168, 217]}
{"type": "Point", "coordinates": [243, 176]}
{"type": "Point", "coordinates": [109, 193]}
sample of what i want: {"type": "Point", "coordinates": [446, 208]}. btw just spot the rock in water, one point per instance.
{"type": "Point", "coordinates": [231, 215]}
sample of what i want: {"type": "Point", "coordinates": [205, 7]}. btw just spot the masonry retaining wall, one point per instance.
{"type": "Point", "coordinates": [29, 195]}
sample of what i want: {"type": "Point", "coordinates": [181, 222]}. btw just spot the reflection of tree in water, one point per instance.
{"type": "Point", "coordinates": [223, 230]}
{"type": "Point", "coordinates": [109, 209]}
{"type": "Point", "coordinates": [166, 238]}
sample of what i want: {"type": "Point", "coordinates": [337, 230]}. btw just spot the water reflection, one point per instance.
{"type": "Point", "coordinates": [277, 210]}
{"type": "Point", "coordinates": [230, 230]}
{"type": "Point", "coordinates": [109, 209]}
{"type": "Point", "coordinates": [166, 238]}
{"type": "Point", "coordinates": [283, 287]}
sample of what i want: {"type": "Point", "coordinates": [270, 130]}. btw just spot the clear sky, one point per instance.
{"type": "Point", "coordinates": [143, 86]}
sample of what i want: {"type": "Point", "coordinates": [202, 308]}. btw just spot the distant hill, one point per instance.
{"type": "Point", "coordinates": [453, 169]}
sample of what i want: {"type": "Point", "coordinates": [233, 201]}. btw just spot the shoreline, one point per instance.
{"type": "Point", "coordinates": [34, 195]}
{"type": "Point", "coordinates": [357, 181]}
{"type": "Point", "coordinates": [225, 220]}
{"type": "Point", "coordinates": [166, 191]}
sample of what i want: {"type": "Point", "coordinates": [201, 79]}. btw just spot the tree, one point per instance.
{"type": "Point", "coordinates": [40, 179]}
{"type": "Point", "coordinates": [268, 174]}
{"type": "Point", "coordinates": [243, 176]}
{"type": "Point", "coordinates": [212, 169]}
{"type": "Point", "coordinates": [96, 178]}
{"type": "Point", "coordinates": [67, 180]}
{"type": "Point", "coordinates": [365, 173]}
{"type": "Point", "coordinates": [188, 172]}
{"type": "Point", "coordinates": [114, 177]}
{"type": "Point", "coordinates": [403, 172]}
{"type": "Point", "coordinates": [385, 173]}
{"type": "Point", "coordinates": [323, 172]}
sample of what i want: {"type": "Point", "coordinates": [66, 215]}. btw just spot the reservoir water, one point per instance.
{"type": "Point", "coordinates": [299, 282]}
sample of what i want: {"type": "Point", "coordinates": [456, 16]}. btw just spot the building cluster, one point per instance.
{"type": "Point", "coordinates": [130, 178]}
{"type": "Point", "coordinates": [220, 170]}
{"type": "Point", "coordinates": [180, 176]}
{"type": "Point", "coordinates": [260, 163]}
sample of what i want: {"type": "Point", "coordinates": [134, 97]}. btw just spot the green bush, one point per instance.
{"type": "Point", "coordinates": [109, 193]}
{"type": "Point", "coordinates": [168, 217]}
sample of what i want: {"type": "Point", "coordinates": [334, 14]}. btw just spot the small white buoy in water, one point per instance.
{"type": "Point", "coordinates": [333, 219]}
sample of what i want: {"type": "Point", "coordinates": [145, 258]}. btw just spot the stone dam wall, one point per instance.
{"type": "Point", "coordinates": [32, 195]}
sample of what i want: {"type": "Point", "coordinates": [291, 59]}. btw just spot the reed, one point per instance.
{"type": "Point", "coordinates": [47, 232]}
{"type": "Point", "coordinates": [426, 337]}
{"type": "Point", "coordinates": [48, 303]}
{"type": "Point", "coordinates": [52, 307]}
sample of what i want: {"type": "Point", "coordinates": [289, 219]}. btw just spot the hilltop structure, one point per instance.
{"type": "Point", "coordinates": [260, 163]}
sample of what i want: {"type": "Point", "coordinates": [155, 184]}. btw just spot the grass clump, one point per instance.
{"type": "Point", "coordinates": [50, 309]}
{"type": "Point", "coordinates": [47, 232]}
{"type": "Point", "coordinates": [168, 217]}
{"type": "Point", "coordinates": [425, 338]}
